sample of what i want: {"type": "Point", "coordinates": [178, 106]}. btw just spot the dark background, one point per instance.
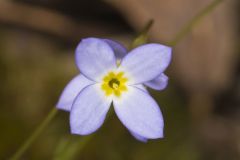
{"type": "Point", "coordinates": [200, 106]}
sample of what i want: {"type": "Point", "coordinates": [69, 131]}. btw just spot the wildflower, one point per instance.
{"type": "Point", "coordinates": [110, 75]}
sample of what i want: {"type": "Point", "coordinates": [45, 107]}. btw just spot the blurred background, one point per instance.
{"type": "Point", "coordinates": [201, 105]}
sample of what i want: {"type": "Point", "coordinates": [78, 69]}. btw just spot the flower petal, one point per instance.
{"type": "Point", "coordinates": [71, 91]}
{"type": "Point", "coordinates": [158, 83]}
{"type": "Point", "coordinates": [89, 110]}
{"type": "Point", "coordinates": [142, 87]}
{"type": "Point", "coordinates": [119, 50]}
{"type": "Point", "coordinates": [94, 58]}
{"type": "Point", "coordinates": [138, 137]}
{"type": "Point", "coordinates": [139, 112]}
{"type": "Point", "coordinates": [146, 62]}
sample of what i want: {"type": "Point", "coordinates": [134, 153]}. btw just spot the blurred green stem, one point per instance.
{"type": "Point", "coordinates": [35, 134]}
{"type": "Point", "coordinates": [74, 146]}
{"type": "Point", "coordinates": [140, 39]}
{"type": "Point", "coordinates": [193, 22]}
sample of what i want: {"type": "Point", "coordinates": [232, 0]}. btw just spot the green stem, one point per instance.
{"type": "Point", "coordinates": [35, 135]}
{"type": "Point", "coordinates": [193, 22]}
{"type": "Point", "coordinates": [142, 37]}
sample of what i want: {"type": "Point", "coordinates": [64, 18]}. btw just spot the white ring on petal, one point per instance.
{"type": "Point", "coordinates": [140, 113]}
{"type": "Point", "coordinates": [89, 110]}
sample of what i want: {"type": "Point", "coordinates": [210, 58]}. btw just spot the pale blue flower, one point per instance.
{"type": "Point", "coordinates": [110, 75]}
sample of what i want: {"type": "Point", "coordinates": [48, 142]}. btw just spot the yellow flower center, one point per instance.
{"type": "Point", "coordinates": [114, 83]}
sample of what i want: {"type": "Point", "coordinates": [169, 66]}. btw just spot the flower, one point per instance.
{"type": "Point", "coordinates": [110, 75]}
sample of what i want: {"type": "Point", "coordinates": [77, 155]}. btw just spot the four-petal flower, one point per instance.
{"type": "Point", "coordinates": [110, 75]}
